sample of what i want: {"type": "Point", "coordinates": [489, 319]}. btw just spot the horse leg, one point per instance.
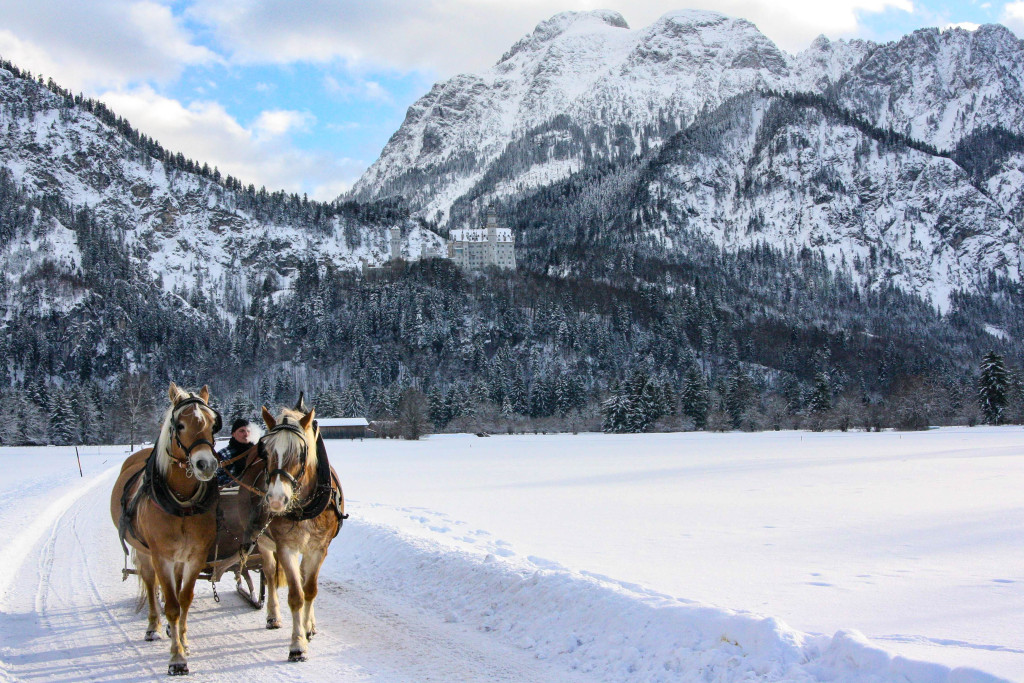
{"type": "Point", "coordinates": [165, 572]}
{"type": "Point", "coordinates": [311, 562]}
{"type": "Point", "coordinates": [190, 573]}
{"type": "Point", "coordinates": [289, 560]}
{"type": "Point", "coordinates": [270, 575]}
{"type": "Point", "coordinates": [148, 577]}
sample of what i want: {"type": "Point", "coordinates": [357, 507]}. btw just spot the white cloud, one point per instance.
{"type": "Point", "coordinates": [357, 89]}
{"type": "Point", "coordinates": [259, 153]}
{"type": "Point", "coordinates": [449, 36]}
{"type": "Point", "coordinates": [966, 25]}
{"type": "Point", "coordinates": [89, 45]}
{"type": "Point", "coordinates": [1013, 17]}
{"type": "Point", "coordinates": [277, 122]}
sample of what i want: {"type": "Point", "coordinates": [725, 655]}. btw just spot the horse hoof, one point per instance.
{"type": "Point", "coordinates": [273, 623]}
{"type": "Point", "coordinates": [296, 656]}
{"type": "Point", "coordinates": [177, 669]}
{"type": "Point", "coordinates": [167, 630]}
{"type": "Point", "coordinates": [310, 634]}
{"type": "Point", "coordinates": [152, 635]}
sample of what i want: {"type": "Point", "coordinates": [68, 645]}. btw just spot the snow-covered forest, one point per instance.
{"type": "Point", "coordinates": [602, 327]}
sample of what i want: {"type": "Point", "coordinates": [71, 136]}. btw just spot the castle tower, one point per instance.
{"type": "Point", "coordinates": [396, 243]}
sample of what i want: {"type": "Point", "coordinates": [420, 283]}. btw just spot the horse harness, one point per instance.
{"type": "Point", "coordinates": [155, 486]}
{"type": "Point", "coordinates": [327, 491]}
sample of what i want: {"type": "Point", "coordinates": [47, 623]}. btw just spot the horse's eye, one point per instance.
{"type": "Point", "coordinates": [181, 425]}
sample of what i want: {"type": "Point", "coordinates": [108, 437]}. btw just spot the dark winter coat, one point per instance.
{"type": "Point", "coordinates": [233, 448]}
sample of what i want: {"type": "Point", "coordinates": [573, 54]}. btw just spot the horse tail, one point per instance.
{"type": "Point", "coordinates": [141, 598]}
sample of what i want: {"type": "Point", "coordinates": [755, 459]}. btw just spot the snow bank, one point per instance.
{"type": "Point", "coordinates": [614, 631]}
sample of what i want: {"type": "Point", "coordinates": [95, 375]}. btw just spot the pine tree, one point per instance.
{"type": "Point", "coordinates": [241, 407]}
{"type": "Point", "coordinates": [353, 403]}
{"type": "Point", "coordinates": [615, 411]}
{"type": "Point", "coordinates": [436, 409]}
{"type": "Point", "coordinates": [696, 397]}
{"type": "Point", "coordinates": [518, 397]}
{"type": "Point", "coordinates": [63, 421]}
{"type": "Point", "coordinates": [821, 397]}
{"type": "Point", "coordinates": [993, 388]}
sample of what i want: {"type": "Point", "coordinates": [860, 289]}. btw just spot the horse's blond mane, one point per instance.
{"type": "Point", "coordinates": [286, 446]}
{"type": "Point", "coordinates": [163, 442]}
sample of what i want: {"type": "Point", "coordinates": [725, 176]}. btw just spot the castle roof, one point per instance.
{"type": "Point", "coordinates": [470, 235]}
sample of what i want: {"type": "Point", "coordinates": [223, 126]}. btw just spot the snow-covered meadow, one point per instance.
{"type": "Point", "coordinates": [775, 556]}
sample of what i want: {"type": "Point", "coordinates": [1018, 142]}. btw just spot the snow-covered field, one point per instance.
{"type": "Point", "coordinates": [676, 557]}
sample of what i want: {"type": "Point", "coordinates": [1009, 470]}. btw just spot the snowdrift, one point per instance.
{"type": "Point", "coordinates": [612, 630]}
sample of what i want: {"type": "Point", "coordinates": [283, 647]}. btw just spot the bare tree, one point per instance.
{"type": "Point", "coordinates": [412, 414]}
{"type": "Point", "coordinates": [135, 401]}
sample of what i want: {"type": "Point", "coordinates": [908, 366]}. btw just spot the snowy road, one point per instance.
{"type": "Point", "coordinates": [421, 585]}
{"type": "Point", "coordinates": [67, 616]}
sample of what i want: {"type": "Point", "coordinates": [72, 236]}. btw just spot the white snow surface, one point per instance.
{"type": "Point", "coordinates": [677, 557]}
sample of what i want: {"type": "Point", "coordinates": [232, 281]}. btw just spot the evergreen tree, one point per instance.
{"type": "Point", "coordinates": [993, 388]}
{"type": "Point", "coordinates": [615, 412]}
{"type": "Point", "coordinates": [436, 409]}
{"type": "Point", "coordinates": [63, 421]}
{"type": "Point", "coordinates": [696, 397]}
{"type": "Point", "coordinates": [353, 404]}
{"type": "Point", "coordinates": [241, 407]}
{"type": "Point", "coordinates": [821, 397]}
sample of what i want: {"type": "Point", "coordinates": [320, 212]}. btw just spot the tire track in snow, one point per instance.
{"type": "Point", "coordinates": [69, 617]}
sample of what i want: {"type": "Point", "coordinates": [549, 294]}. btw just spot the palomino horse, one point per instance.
{"type": "Point", "coordinates": [298, 516]}
{"type": "Point", "coordinates": [164, 505]}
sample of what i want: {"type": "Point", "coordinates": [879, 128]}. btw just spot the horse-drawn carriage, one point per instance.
{"type": "Point", "coordinates": [232, 552]}
{"type": "Point", "coordinates": [181, 527]}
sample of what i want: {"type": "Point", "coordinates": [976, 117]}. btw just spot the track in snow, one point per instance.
{"type": "Point", "coordinates": [67, 616]}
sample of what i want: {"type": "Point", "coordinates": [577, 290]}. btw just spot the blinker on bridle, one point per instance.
{"type": "Point", "coordinates": [217, 423]}
{"type": "Point", "coordinates": [299, 432]}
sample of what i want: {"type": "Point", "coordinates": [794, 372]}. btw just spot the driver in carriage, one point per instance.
{"type": "Point", "coordinates": [242, 433]}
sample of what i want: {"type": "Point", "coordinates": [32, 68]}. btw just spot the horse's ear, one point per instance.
{"type": "Point", "coordinates": [268, 418]}
{"type": "Point", "coordinates": [204, 394]}
{"type": "Point", "coordinates": [173, 392]}
{"type": "Point", "coordinates": [300, 405]}
{"type": "Point", "coordinates": [308, 420]}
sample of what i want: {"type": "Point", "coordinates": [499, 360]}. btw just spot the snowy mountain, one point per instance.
{"type": "Point", "coordinates": [939, 86]}
{"type": "Point", "coordinates": [189, 229]}
{"type": "Point", "coordinates": [768, 170]}
{"type": "Point", "coordinates": [582, 85]}
{"type": "Point", "coordinates": [583, 90]}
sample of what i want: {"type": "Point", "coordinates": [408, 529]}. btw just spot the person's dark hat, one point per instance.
{"type": "Point", "coordinates": [238, 424]}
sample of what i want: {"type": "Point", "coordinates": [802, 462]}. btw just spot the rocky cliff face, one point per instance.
{"type": "Point", "coordinates": [767, 170]}
{"type": "Point", "coordinates": [584, 89]}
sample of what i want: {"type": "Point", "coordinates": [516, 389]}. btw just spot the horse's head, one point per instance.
{"type": "Point", "coordinates": [189, 429]}
{"type": "Point", "coordinates": [289, 448]}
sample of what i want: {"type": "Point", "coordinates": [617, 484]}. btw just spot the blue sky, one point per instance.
{"type": "Point", "coordinates": [302, 96]}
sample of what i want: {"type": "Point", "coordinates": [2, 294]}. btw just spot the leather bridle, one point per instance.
{"type": "Point", "coordinates": [303, 457]}
{"type": "Point", "coordinates": [217, 423]}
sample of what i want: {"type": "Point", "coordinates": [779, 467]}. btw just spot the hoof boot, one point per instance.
{"type": "Point", "coordinates": [296, 656]}
{"type": "Point", "coordinates": [177, 670]}
{"type": "Point", "coordinates": [152, 635]}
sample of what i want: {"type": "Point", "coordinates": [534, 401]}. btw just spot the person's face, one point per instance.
{"type": "Point", "coordinates": [241, 434]}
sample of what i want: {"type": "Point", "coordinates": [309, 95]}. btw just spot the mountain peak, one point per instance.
{"type": "Point", "coordinates": [552, 28]}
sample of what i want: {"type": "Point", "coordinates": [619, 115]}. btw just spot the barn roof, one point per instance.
{"type": "Point", "coordinates": [343, 422]}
